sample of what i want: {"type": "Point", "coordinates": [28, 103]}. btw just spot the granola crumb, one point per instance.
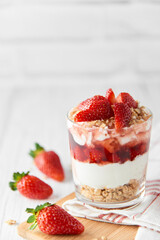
{"type": "Point", "coordinates": [10, 222]}
{"type": "Point", "coordinates": [103, 238]}
{"type": "Point", "coordinates": [121, 193]}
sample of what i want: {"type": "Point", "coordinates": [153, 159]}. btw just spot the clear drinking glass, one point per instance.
{"type": "Point", "coordinates": [109, 167]}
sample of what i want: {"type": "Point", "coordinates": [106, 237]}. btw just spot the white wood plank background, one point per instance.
{"type": "Point", "coordinates": [52, 56]}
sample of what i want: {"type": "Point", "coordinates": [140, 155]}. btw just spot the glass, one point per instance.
{"type": "Point", "coordinates": [109, 167]}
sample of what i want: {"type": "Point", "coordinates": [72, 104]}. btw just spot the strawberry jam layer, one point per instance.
{"type": "Point", "coordinates": [109, 150]}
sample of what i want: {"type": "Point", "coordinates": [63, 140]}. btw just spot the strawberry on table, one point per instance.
{"type": "Point", "coordinates": [47, 162]}
{"type": "Point", "coordinates": [127, 99]}
{"type": "Point", "coordinates": [122, 115]}
{"type": "Point", "coordinates": [30, 186]}
{"type": "Point", "coordinates": [52, 219]}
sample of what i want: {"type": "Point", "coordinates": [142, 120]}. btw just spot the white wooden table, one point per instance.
{"type": "Point", "coordinates": [37, 113]}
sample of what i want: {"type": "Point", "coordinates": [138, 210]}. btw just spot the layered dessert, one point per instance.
{"type": "Point", "coordinates": [109, 140]}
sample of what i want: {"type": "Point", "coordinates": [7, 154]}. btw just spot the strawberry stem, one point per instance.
{"type": "Point", "coordinates": [17, 177]}
{"type": "Point", "coordinates": [38, 150]}
{"type": "Point", "coordinates": [35, 213]}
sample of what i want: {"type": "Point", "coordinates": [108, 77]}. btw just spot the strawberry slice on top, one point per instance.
{"type": "Point", "coordinates": [122, 114]}
{"type": "Point", "coordinates": [126, 98]}
{"type": "Point", "coordinates": [98, 110]}
{"type": "Point", "coordinates": [86, 103]}
{"type": "Point", "coordinates": [111, 96]}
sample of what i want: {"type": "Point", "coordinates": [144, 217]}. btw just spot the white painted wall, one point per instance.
{"type": "Point", "coordinates": [42, 41]}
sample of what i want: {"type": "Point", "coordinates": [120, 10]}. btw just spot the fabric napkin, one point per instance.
{"type": "Point", "coordinates": [146, 215]}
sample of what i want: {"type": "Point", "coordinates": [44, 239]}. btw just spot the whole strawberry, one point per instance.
{"type": "Point", "coordinates": [30, 186]}
{"type": "Point", "coordinates": [47, 162]}
{"type": "Point", "coordinates": [52, 219]}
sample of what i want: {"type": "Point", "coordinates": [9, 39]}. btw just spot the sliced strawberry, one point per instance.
{"type": "Point", "coordinates": [111, 144]}
{"type": "Point", "coordinates": [86, 103]}
{"type": "Point", "coordinates": [97, 111]}
{"type": "Point", "coordinates": [108, 156]}
{"type": "Point", "coordinates": [111, 96]}
{"type": "Point", "coordinates": [139, 149]}
{"type": "Point", "coordinates": [78, 153]}
{"type": "Point", "coordinates": [96, 155]}
{"type": "Point", "coordinates": [122, 115]}
{"type": "Point", "coordinates": [127, 99]}
{"type": "Point", "coordinates": [123, 154]}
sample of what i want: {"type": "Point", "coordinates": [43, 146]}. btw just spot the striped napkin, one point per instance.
{"type": "Point", "coordinates": [146, 214]}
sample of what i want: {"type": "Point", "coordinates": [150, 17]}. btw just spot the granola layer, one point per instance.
{"type": "Point", "coordinates": [121, 193]}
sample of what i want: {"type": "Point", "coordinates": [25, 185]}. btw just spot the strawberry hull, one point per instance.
{"type": "Point", "coordinates": [109, 162]}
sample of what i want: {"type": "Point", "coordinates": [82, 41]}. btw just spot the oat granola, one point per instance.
{"type": "Point", "coordinates": [10, 222]}
{"type": "Point", "coordinates": [118, 194]}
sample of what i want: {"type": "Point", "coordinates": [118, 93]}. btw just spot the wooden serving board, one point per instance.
{"type": "Point", "coordinates": [93, 230]}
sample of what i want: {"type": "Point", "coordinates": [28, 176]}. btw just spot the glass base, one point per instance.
{"type": "Point", "coordinates": [113, 205]}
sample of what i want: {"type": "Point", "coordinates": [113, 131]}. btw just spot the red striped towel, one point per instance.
{"type": "Point", "coordinates": [146, 214]}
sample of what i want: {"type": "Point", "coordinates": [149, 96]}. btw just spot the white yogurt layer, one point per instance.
{"type": "Point", "coordinates": [109, 175]}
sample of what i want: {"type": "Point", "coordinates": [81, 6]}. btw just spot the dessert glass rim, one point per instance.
{"type": "Point", "coordinates": [81, 124]}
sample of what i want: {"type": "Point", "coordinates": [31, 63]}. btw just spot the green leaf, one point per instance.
{"type": "Point", "coordinates": [35, 213]}
{"type": "Point", "coordinates": [32, 154]}
{"type": "Point", "coordinates": [40, 207]}
{"type": "Point", "coordinates": [30, 210]}
{"type": "Point", "coordinates": [38, 149]}
{"type": "Point", "coordinates": [33, 226]}
{"type": "Point", "coordinates": [18, 176]}
{"type": "Point", "coordinates": [31, 219]}
{"type": "Point", "coordinates": [13, 186]}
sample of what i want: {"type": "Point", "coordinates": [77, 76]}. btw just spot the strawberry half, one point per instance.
{"type": "Point", "coordinates": [30, 186]}
{"type": "Point", "coordinates": [47, 162]}
{"type": "Point", "coordinates": [78, 153]}
{"type": "Point", "coordinates": [127, 99]}
{"type": "Point", "coordinates": [110, 96]}
{"type": "Point", "coordinates": [95, 155]}
{"type": "Point", "coordinates": [122, 114]}
{"type": "Point", "coordinates": [86, 103]}
{"type": "Point", "coordinates": [52, 219]}
{"type": "Point", "coordinates": [98, 110]}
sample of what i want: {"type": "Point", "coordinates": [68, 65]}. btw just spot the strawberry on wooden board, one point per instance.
{"type": "Point", "coordinates": [127, 99]}
{"type": "Point", "coordinates": [98, 110]}
{"type": "Point", "coordinates": [30, 186]}
{"type": "Point", "coordinates": [52, 219]}
{"type": "Point", "coordinates": [110, 96]}
{"type": "Point", "coordinates": [122, 115]}
{"type": "Point", "coordinates": [47, 162]}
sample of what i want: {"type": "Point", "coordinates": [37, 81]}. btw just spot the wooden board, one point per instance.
{"type": "Point", "coordinates": [93, 230]}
